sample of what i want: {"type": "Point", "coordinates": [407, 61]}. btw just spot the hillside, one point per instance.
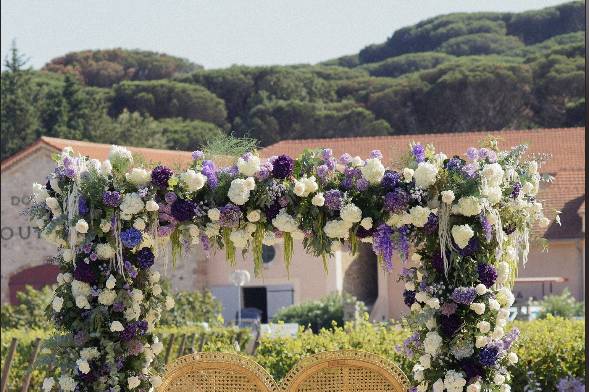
{"type": "Point", "coordinates": [456, 72]}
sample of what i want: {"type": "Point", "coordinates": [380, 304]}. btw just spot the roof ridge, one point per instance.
{"type": "Point", "coordinates": [52, 140]}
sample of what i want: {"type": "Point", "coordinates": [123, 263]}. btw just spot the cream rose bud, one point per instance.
{"type": "Point", "coordinates": [57, 304]}
{"type": "Point", "coordinates": [438, 386]}
{"type": "Point", "coordinates": [155, 381]}
{"type": "Point", "coordinates": [157, 347]}
{"type": "Point", "coordinates": [484, 326]}
{"type": "Point", "coordinates": [82, 226]}
{"type": "Point", "coordinates": [52, 203]}
{"type": "Point", "coordinates": [138, 176]}
{"type": "Point", "coordinates": [477, 307]}
{"type": "Point", "coordinates": [481, 289]}
{"type": "Point", "coordinates": [214, 214]}
{"type": "Point", "coordinates": [498, 333]}
{"type": "Point", "coordinates": [481, 341]}
{"type": "Point", "coordinates": [139, 224]}
{"type": "Point", "coordinates": [366, 223]}
{"type": "Point", "coordinates": [448, 197]}
{"type": "Point", "coordinates": [111, 282]}
{"type": "Point", "coordinates": [318, 200]}
{"type": "Point", "coordinates": [151, 206]}
{"type": "Point", "coordinates": [408, 174]}
{"type": "Point", "coordinates": [254, 216]}
{"type": "Point", "coordinates": [410, 286]}
{"type": "Point", "coordinates": [133, 382]}
{"type": "Point", "coordinates": [48, 384]}
{"type": "Point", "coordinates": [499, 379]}
{"type": "Point", "coordinates": [425, 175]}
{"type": "Point", "coordinates": [512, 358]}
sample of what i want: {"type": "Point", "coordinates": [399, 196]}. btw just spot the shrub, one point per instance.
{"type": "Point", "coordinates": [328, 312]}
{"type": "Point", "coordinates": [561, 305]}
{"type": "Point", "coordinates": [192, 308]}
{"type": "Point", "coordinates": [30, 311]}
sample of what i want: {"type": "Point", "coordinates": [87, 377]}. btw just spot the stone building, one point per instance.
{"type": "Point", "coordinates": [25, 257]}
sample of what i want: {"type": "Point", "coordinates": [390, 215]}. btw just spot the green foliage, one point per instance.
{"type": "Point", "coordinates": [407, 63]}
{"type": "Point", "coordinates": [187, 135]}
{"type": "Point", "coordinates": [561, 305]}
{"type": "Point", "coordinates": [103, 68]}
{"type": "Point", "coordinates": [480, 44]}
{"type": "Point", "coordinates": [326, 312]}
{"type": "Point", "coordinates": [191, 308]}
{"type": "Point", "coordinates": [30, 311]}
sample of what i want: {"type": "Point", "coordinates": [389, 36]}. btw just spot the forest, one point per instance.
{"type": "Point", "coordinates": [451, 73]}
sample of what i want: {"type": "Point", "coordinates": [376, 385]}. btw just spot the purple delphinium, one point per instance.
{"type": "Point", "coordinates": [383, 246]}
{"type": "Point", "coordinates": [489, 355]}
{"type": "Point", "coordinates": [396, 200]}
{"type": "Point", "coordinates": [454, 164]}
{"type": "Point", "coordinates": [131, 237]}
{"type": "Point", "coordinates": [230, 215]}
{"type": "Point", "coordinates": [431, 226]}
{"type": "Point", "coordinates": [469, 170]}
{"type": "Point", "coordinates": [403, 242]}
{"type": "Point", "coordinates": [472, 368]}
{"type": "Point", "coordinates": [145, 258]}
{"type": "Point", "coordinates": [83, 207]}
{"type": "Point", "coordinates": [333, 199]}
{"type": "Point", "coordinates": [322, 171]}
{"type": "Point", "coordinates": [84, 272]}
{"type": "Point", "coordinates": [209, 171]}
{"type": "Point", "coordinates": [516, 190]}
{"type": "Point", "coordinates": [487, 227]}
{"type": "Point", "coordinates": [282, 167]}
{"type": "Point", "coordinates": [326, 154]}
{"type": "Point", "coordinates": [198, 155]}
{"type": "Point", "coordinates": [410, 344]}
{"type": "Point", "coordinates": [376, 154]}
{"type": "Point", "coordinates": [464, 295]}
{"type": "Point", "coordinates": [183, 210]}
{"type": "Point", "coordinates": [510, 338]}
{"type": "Point", "coordinates": [390, 180]}
{"type": "Point", "coordinates": [131, 270]}
{"type": "Point", "coordinates": [449, 325]}
{"type": "Point", "coordinates": [111, 198]}
{"type": "Point", "coordinates": [409, 297]}
{"type": "Point", "coordinates": [570, 384]}
{"type": "Point", "coordinates": [472, 153]}
{"type": "Point", "coordinates": [448, 308]}
{"type": "Point", "coordinates": [487, 274]}
{"type": "Point", "coordinates": [160, 176]}
{"type": "Point", "coordinates": [345, 158]}
{"type": "Point", "coordinates": [118, 307]}
{"type": "Point", "coordinates": [490, 155]}
{"type": "Point", "coordinates": [418, 152]}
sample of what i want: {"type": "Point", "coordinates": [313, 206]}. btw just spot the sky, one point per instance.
{"type": "Point", "coordinates": [220, 33]}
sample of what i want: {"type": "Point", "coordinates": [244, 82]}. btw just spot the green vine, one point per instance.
{"type": "Point", "coordinates": [229, 247]}
{"type": "Point", "coordinates": [288, 250]}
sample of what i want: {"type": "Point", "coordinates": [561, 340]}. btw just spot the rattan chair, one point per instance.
{"type": "Point", "coordinates": [332, 371]}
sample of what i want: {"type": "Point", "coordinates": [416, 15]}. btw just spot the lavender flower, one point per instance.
{"type": "Point", "coordinates": [448, 308]}
{"type": "Point", "coordinates": [516, 190]}
{"type": "Point", "coordinates": [510, 338]}
{"type": "Point", "coordinates": [396, 201]}
{"type": "Point", "coordinates": [472, 153]}
{"type": "Point", "coordinates": [131, 237]}
{"type": "Point", "coordinates": [84, 272]}
{"type": "Point", "coordinates": [487, 227]}
{"type": "Point", "coordinates": [570, 384]}
{"type": "Point", "coordinates": [376, 154]}
{"type": "Point", "coordinates": [326, 154]}
{"type": "Point", "coordinates": [282, 166]}
{"type": "Point", "coordinates": [145, 258]}
{"type": "Point", "coordinates": [128, 333]}
{"type": "Point", "coordinates": [83, 207]}
{"type": "Point", "coordinates": [111, 198]}
{"type": "Point", "coordinates": [362, 184]}
{"type": "Point", "coordinates": [390, 180]}
{"type": "Point", "coordinates": [464, 295]}
{"type": "Point", "coordinates": [383, 246]}
{"type": "Point", "coordinates": [471, 248]}
{"type": "Point", "coordinates": [418, 152]}
{"type": "Point", "coordinates": [209, 171]}
{"type": "Point", "coordinates": [487, 274]}
{"type": "Point", "coordinates": [183, 210]}
{"type": "Point", "coordinates": [198, 155]}
{"type": "Point", "coordinates": [118, 307]}
{"type": "Point", "coordinates": [454, 164]}
{"type": "Point", "coordinates": [490, 354]}
{"type": "Point", "coordinates": [322, 171]}
{"type": "Point", "coordinates": [470, 170]}
{"type": "Point", "coordinates": [160, 176]}
{"type": "Point", "coordinates": [230, 216]}
{"type": "Point", "coordinates": [431, 226]}
{"type": "Point", "coordinates": [333, 199]}
{"type": "Point", "coordinates": [265, 171]}
{"type": "Point", "coordinates": [131, 270]}
{"type": "Point", "coordinates": [345, 158]}
{"type": "Point", "coordinates": [170, 197]}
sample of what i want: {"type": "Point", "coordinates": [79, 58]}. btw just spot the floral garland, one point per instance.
{"type": "Point", "coordinates": [468, 219]}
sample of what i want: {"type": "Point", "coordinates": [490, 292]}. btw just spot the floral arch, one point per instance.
{"type": "Point", "coordinates": [468, 220]}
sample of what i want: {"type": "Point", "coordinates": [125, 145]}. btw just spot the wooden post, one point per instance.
{"type": "Point", "coordinates": [169, 348]}
{"type": "Point", "coordinates": [201, 341]}
{"type": "Point", "coordinates": [7, 364]}
{"type": "Point", "coordinates": [182, 343]}
{"type": "Point", "coordinates": [27, 380]}
{"type": "Point", "coordinates": [190, 347]}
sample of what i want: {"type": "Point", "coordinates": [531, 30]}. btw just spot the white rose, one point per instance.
{"type": "Point", "coordinates": [505, 388]}
{"type": "Point", "coordinates": [373, 171]}
{"type": "Point", "coordinates": [284, 222]}
{"type": "Point", "coordinates": [254, 216]}
{"type": "Point", "coordinates": [105, 251]}
{"type": "Point", "coordinates": [462, 234]}
{"type": "Point", "coordinates": [155, 381]}
{"type": "Point", "coordinates": [467, 206]}
{"type": "Point", "coordinates": [192, 180]}
{"type": "Point", "coordinates": [366, 223]}
{"type": "Point", "coordinates": [151, 206]}
{"type": "Point", "coordinates": [57, 304]}
{"type": "Point", "coordinates": [493, 194]}
{"type": "Point", "coordinates": [512, 358]}
{"type": "Point", "coordinates": [448, 197]}
{"type": "Point", "coordinates": [318, 200]}
{"type": "Point", "coordinates": [476, 387]}
{"type": "Point", "coordinates": [67, 383]}
{"type": "Point", "coordinates": [138, 176]}
{"type": "Point", "coordinates": [478, 308]}
{"type": "Point", "coordinates": [250, 166]}
{"type": "Point", "coordinates": [239, 191]}
{"type": "Point", "coordinates": [410, 286]}
{"type": "Point", "coordinates": [116, 326]}
{"type": "Point", "coordinates": [419, 215]}
{"type": "Point", "coordinates": [499, 379]}
{"type": "Point", "coordinates": [493, 304]}
{"type": "Point", "coordinates": [438, 386]}
{"type": "Point", "coordinates": [82, 302]}
{"type": "Point", "coordinates": [68, 255]}
{"type": "Point", "coordinates": [214, 214]}
{"type": "Point", "coordinates": [299, 188]}
{"type": "Point", "coordinates": [421, 296]}
{"type": "Point", "coordinates": [337, 229]}
{"type": "Point", "coordinates": [107, 297]}
{"type": "Point", "coordinates": [139, 224]}
{"type": "Point", "coordinates": [425, 361]}
{"type": "Point", "coordinates": [154, 277]}
{"type": "Point", "coordinates": [408, 174]}
{"type": "Point", "coordinates": [498, 333]}
{"type": "Point", "coordinates": [133, 382]}
{"type": "Point", "coordinates": [481, 289]}
{"type": "Point", "coordinates": [82, 226]}
{"type": "Point", "coordinates": [111, 282]}
{"type": "Point", "coordinates": [137, 295]}
{"type": "Point", "coordinates": [505, 297]}
{"type": "Point", "coordinates": [351, 213]}
{"type": "Point", "coordinates": [48, 384]}
{"type": "Point", "coordinates": [433, 303]}
{"type": "Point", "coordinates": [481, 341]}
{"type": "Point", "coordinates": [169, 304]}
{"type": "Point", "coordinates": [105, 226]}
{"type": "Point", "coordinates": [425, 175]}
{"type": "Point", "coordinates": [83, 366]}
{"type": "Point", "coordinates": [484, 326]}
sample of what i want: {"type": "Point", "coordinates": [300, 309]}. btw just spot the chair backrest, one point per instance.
{"type": "Point", "coordinates": [216, 372]}
{"type": "Point", "coordinates": [345, 371]}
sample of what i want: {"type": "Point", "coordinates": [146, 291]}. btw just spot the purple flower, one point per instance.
{"type": "Point", "coordinates": [131, 237]}
{"type": "Point", "coordinates": [362, 184]}
{"type": "Point", "coordinates": [464, 295]}
{"type": "Point", "coordinates": [183, 210]}
{"type": "Point", "coordinates": [409, 297]}
{"type": "Point", "coordinates": [326, 154]}
{"type": "Point", "coordinates": [84, 272]}
{"type": "Point", "coordinates": [141, 326]}
{"type": "Point", "coordinates": [322, 171]}
{"type": "Point", "coordinates": [118, 307]}
{"type": "Point", "coordinates": [131, 270]}
{"type": "Point", "coordinates": [198, 155]}
{"type": "Point", "coordinates": [87, 248]}
{"type": "Point", "coordinates": [490, 354]}
{"type": "Point", "coordinates": [135, 347]}
{"type": "Point", "coordinates": [454, 164]}
{"type": "Point", "coordinates": [265, 171]}
{"type": "Point", "coordinates": [396, 201]}
{"type": "Point", "coordinates": [231, 170]}
{"type": "Point", "coordinates": [487, 274]}
{"type": "Point", "coordinates": [145, 258]}
{"type": "Point", "coordinates": [472, 368]}
{"type": "Point", "coordinates": [390, 180]}
{"type": "Point", "coordinates": [511, 337]}
{"type": "Point", "coordinates": [472, 153]}
{"type": "Point", "coordinates": [209, 171]}
{"type": "Point", "coordinates": [143, 191]}
{"type": "Point", "coordinates": [418, 152]}
{"type": "Point", "coordinates": [80, 338]}
{"type": "Point", "coordinates": [376, 154]}
{"type": "Point", "coordinates": [283, 201]}
{"type": "Point", "coordinates": [448, 308]}
{"type": "Point", "coordinates": [111, 199]}
{"type": "Point", "coordinates": [272, 210]}
{"type": "Point", "coordinates": [333, 199]}
{"type": "Point", "coordinates": [438, 263]}
{"type": "Point", "coordinates": [160, 176]}
{"type": "Point", "coordinates": [383, 245]}
{"type": "Point", "coordinates": [490, 155]}
{"type": "Point", "coordinates": [331, 163]}
{"type": "Point", "coordinates": [516, 190]}
{"type": "Point", "coordinates": [449, 325]}
{"type": "Point", "coordinates": [170, 197]}
{"type": "Point", "coordinates": [345, 158]}
{"type": "Point", "coordinates": [570, 384]}
{"type": "Point", "coordinates": [363, 233]}
{"type": "Point", "coordinates": [347, 183]}
{"type": "Point", "coordinates": [431, 226]}
{"type": "Point", "coordinates": [128, 333]}
{"type": "Point", "coordinates": [230, 215]}
{"type": "Point", "coordinates": [282, 167]}
{"type": "Point", "coordinates": [470, 170]}
{"type": "Point", "coordinates": [83, 207]}
{"type": "Point", "coordinates": [471, 248]}
{"type": "Point", "coordinates": [93, 256]}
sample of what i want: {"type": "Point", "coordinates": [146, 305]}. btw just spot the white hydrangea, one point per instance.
{"type": "Point", "coordinates": [82, 302]}
{"type": "Point", "coordinates": [373, 170]}
{"type": "Point", "coordinates": [467, 206]}
{"type": "Point", "coordinates": [118, 153]}
{"type": "Point", "coordinates": [438, 386]}
{"type": "Point", "coordinates": [462, 234]}
{"type": "Point", "coordinates": [240, 238]}
{"type": "Point", "coordinates": [398, 220]}
{"type": "Point", "coordinates": [40, 192]}
{"type": "Point", "coordinates": [499, 379]}
{"type": "Point", "coordinates": [480, 289]}
{"type": "Point", "coordinates": [503, 272]}
{"type": "Point", "coordinates": [357, 161]}
{"type": "Point", "coordinates": [67, 383]}
{"type": "Point", "coordinates": [80, 288]}
{"type": "Point", "coordinates": [337, 229]}
{"type": "Point", "coordinates": [408, 174]}
{"type": "Point", "coordinates": [105, 251]}
{"type": "Point", "coordinates": [250, 166]}
{"type": "Point", "coordinates": [419, 215]}
{"type": "Point", "coordinates": [481, 341]}
{"type": "Point", "coordinates": [192, 180]}
{"type": "Point", "coordinates": [448, 197]}
{"type": "Point", "coordinates": [505, 297]}
{"type": "Point", "coordinates": [132, 204]}
{"type": "Point", "coordinates": [351, 213]}
{"type": "Point", "coordinates": [138, 176]}
{"type": "Point", "coordinates": [493, 194]}
{"type": "Point", "coordinates": [169, 303]}
{"type": "Point", "coordinates": [107, 297]}
{"type": "Point", "coordinates": [139, 224]}
{"type": "Point", "coordinates": [512, 358]}
{"type": "Point", "coordinates": [284, 222]}
{"type": "Point", "coordinates": [494, 304]}
{"type": "Point", "coordinates": [425, 174]}
{"type": "Point", "coordinates": [133, 382]}
{"type": "Point", "coordinates": [151, 206]}
{"type": "Point", "coordinates": [48, 384]}
{"type": "Point", "coordinates": [57, 304]}
{"type": "Point", "coordinates": [133, 312]}
{"type": "Point", "coordinates": [214, 214]}
{"type": "Point", "coordinates": [154, 277]}
{"type": "Point", "coordinates": [82, 226]}
{"type": "Point", "coordinates": [137, 295]}
{"type": "Point", "coordinates": [454, 382]}
{"type": "Point", "coordinates": [432, 343]}
{"type": "Point", "coordinates": [239, 190]}
{"type": "Point", "coordinates": [318, 200]}
{"type": "Point", "coordinates": [484, 326]}
{"type": "Point", "coordinates": [493, 174]}
{"type": "Point", "coordinates": [305, 186]}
